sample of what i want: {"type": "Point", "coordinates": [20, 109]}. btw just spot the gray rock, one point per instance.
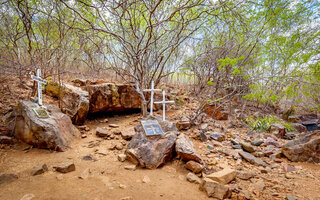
{"type": "Point", "coordinates": [55, 132]}
{"type": "Point", "coordinates": [235, 142]}
{"type": "Point", "coordinates": [186, 149]}
{"type": "Point", "coordinates": [217, 136]}
{"type": "Point", "coordinates": [303, 149]}
{"type": "Point", "coordinates": [39, 170]}
{"type": "Point", "coordinates": [203, 136]}
{"type": "Point", "coordinates": [152, 151]}
{"type": "Point", "coordinates": [101, 132]}
{"type": "Point", "coordinates": [114, 125]}
{"type": "Point", "coordinates": [191, 177]}
{"type": "Point", "coordinates": [237, 146]}
{"type": "Point", "coordinates": [299, 127]}
{"type": "Point", "coordinates": [215, 189]}
{"type": "Point", "coordinates": [291, 197]}
{"type": "Point", "coordinates": [127, 134]}
{"type": "Point", "coordinates": [245, 175]}
{"type": "Point", "coordinates": [247, 147]}
{"type": "Point", "coordinates": [257, 142]}
{"type": "Point", "coordinates": [252, 159]}
{"type": "Point", "coordinates": [65, 167]}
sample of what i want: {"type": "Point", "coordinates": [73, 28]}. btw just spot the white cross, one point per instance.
{"type": "Point", "coordinates": [164, 105]}
{"type": "Point", "coordinates": [40, 81]}
{"type": "Point", "coordinates": [152, 92]}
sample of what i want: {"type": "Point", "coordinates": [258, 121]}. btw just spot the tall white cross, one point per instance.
{"type": "Point", "coordinates": [40, 81]}
{"type": "Point", "coordinates": [164, 105]}
{"type": "Point", "coordinates": [152, 90]}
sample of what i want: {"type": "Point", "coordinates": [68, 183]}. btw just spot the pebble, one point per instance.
{"type": "Point", "coordinates": [146, 179]}
{"type": "Point", "coordinates": [122, 157]}
{"type": "Point", "coordinates": [130, 167]}
{"type": "Point", "coordinates": [28, 197]}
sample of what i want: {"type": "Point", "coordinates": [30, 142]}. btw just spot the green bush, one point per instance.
{"type": "Point", "coordinates": [263, 124]}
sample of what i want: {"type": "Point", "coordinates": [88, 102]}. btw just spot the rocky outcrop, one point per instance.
{"type": "Point", "coordinates": [303, 149]}
{"type": "Point", "coordinates": [186, 149]}
{"type": "Point", "coordinates": [152, 151]}
{"type": "Point", "coordinates": [55, 132]}
{"type": "Point", "coordinates": [76, 104]}
{"type": "Point", "coordinates": [111, 97]}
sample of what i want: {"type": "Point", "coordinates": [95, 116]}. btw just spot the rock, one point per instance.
{"type": "Point", "coordinates": [291, 197]}
{"type": "Point", "coordinates": [217, 136]}
{"type": "Point", "coordinates": [293, 119]}
{"type": "Point", "coordinates": [6, 140]}
{"type": "Point", "coordinates": [183, 125]}
{"type": "Point", "coordinates": [85, 174]}
{"type": "Point", "coordinates": [194, 166]}
{"type": "Point", "coordinates": [288, 168]}
{"type": "Point", "coordinates": [122, 186]}
{"type": "Point", "coordinates": [290, 135]}
{"type": "Point", "coordinates": [245, 193]}
{"type": "Point", "coordinates": [127, 134]}
{"type": "Point", "coordinates": [191, 177]}
{"type": "Point", "coordinates": [65, 167]}
{"type": "Point", "coordinates": [234, 142]}
{"type": "Point", "coordinates": [203, 126]}
{"type": "Point", "coordinates": [186, 149]}
{"type": "Point", "coordinates": [119, 146]}
{"type": "Point", "coordinates": [224, 176]}
{"type": "Point", "coordinates": [303, 149]}
{"type": "Point", "coordinates": [245, 175]}
{"type": "Point", "coordinates": [76, 103]}
{"type": "Point", "coordinates": [238, 146]}
{"type": "Point", "coordinates": [257, 142]}
{"type": "Point", "coordinates": [152, 151]}
{"type": "Point", "coordinates": [28, 196]}
{"type": "Point", "coordinates": [111, 97]}
{"type": "Point", "coordinates": [101, 132]}
{"type": "Point", "coordinates": [146, 179]}
{"type": "Point", "coordinates": [311, 125]}
{"type": "Point", "coordinates": [252, 159]}
{"type": "Point", "coordinates": [215, 189]}
{"type": "Point", "coordinates": [271, 141]}
{"type": "Point", "coordinates": [247, 147]}
{"type": "Point", "coordinates": [122, 157]}
{"type": "Point", "coordinates": [55, 132]}
{"type": "Point", "coordinates": [7, 178]}
{"type": "Point", "coordinates": [88, 157]}
{"type": "Point", "coordinates": [299, 127]}
{"type": "Point", "coordinates": [131, 167]}
{"type": "Point", "coordinates": [39, 170]}
{"type": "Point", "coordinates": [278, 130]}
{"type": "Point", "coordinates": [203, 136]}
{"type": "Point", "coordinates": [114, 125]}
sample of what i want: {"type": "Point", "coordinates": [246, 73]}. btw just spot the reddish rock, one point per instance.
{"type": "Point", "coordinates": [278, 130]}
{"type": "Point", "coordinates": [194, 166]}
{"type": "Point", "coordinates": [219, 113]}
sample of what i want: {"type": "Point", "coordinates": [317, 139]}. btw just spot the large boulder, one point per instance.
{"type": "Point", "coordinates": [186, 150]}
{"type": "Point", "coordinates": [111, 97]}
{"type": "Point", "coordinates": [303, 149]}
{"type": "Point", "coordinates": [152, 151]}
{"type": "Point", "coordinates": [76, 103]}
{"type": "Point", "coordinates": [55, 132]}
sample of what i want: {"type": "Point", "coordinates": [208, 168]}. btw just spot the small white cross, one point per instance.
{"type": "Point", "coordinates": [40, 81]}
{"type": "Point", "coordinates": [164, 105]}
{"type": "Point", "coordinates": [152, 92]}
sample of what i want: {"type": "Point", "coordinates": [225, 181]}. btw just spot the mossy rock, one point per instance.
{"type": "Point", "coordinates": [52, 89]}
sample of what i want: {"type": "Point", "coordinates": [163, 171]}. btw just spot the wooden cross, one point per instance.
{"type": "Point", "coordinates": [40, 81]}
{"type": "Point", "coordinates": [164, 105]}
{"type": "Point", "coordinates": [152, 90]}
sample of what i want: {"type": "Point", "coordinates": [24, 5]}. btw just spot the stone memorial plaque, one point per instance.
{"type": "Point", "coordinates": [151, 127]}
{"type": "Point", "coordinates": [41, 113]}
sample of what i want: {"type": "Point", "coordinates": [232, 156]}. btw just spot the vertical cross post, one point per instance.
{"type": "Point", "coordinates": [152, 90]}
{"type": "Point", "coordinates": [39, 81]}
{"type": "Point", "coordinates": [164, 102]}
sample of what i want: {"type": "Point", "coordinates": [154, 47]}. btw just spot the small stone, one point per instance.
{"type": "Point", "coordinates": [105, 120]}
{"type": "Point", "coordinates": [122, 186]}
{"type": "Point", "coordinates": [28, 197]}
{"type": "Point", "coordinates": [290, 176]}
{"type": "Point", "coordinates": [131, 167]}
{"type": "Point", "coordinates": [252, 159]}
{"type": "Point", "coordinates": [113, 125]}
{"type": "Point", "coordinates": [65, 167]}
{"type": "Point", "coordinates": [194, 166]}
{"type": "Point", "coordinates": [83, 135]}
{"type": "Point", "coordinates": [289, 168]}
{"type": "Point", "coordinates": [85, 174]}
{"type": "Point", "coordinates": [237, 146]}
{"type": "Point", "coordinates": [235, 142]}
{"type": "Point", "coordinates": [127, 134]}
{"type": "Point", "coordinates": [183, 125]}
{"type": "Point", "coordinates": [7, 178]}
{"type": "Point", "coordinates": [191, 177]}
{"type": "Point", "coordinates": [203, 126]}
{"type": "Point", "coordinates": [291, 198]}
{"type": "Point", "coordinates": [39, 170]}
{"type": "Point", "coordinates": [116, 131]}
{"type": "Point", "coordinates": [88, 157]}
{"type": "Point", "coordinates": [101, 132]}
{"type": "Point", "coordinates": [217, 136]}
{"type": "Point", "coordinates": [127, 198]}
{"type": "Point", "coordinates": [146, 179]}
{"type": "Point", "coordinates": [247, 147]}
{"type": "Point", "coordinates": [245, 175]}
{"type": "Point", "coordinates": [246, 194]}
{"type": "Point", "coordinates": [224, 176]}
{"type": "Point", "coordinates": [122, 157]}
{"type": "Point", "coordinates": [278, 130]}
{"type": "Point", "coordinates": [119, 146]}
{"type": "Point", "coordinates": [60, 177]}
{"type": "Point", "coordinates": [203, 136]}
{"type": "Point", "coordinates": [215, 189]}
{"type": "Point", "coordinates": [210, 147]}
{"type": "Point", "coordinates": [257, 142]}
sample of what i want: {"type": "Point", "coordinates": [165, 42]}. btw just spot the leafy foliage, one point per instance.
{"type": "Point", "coordinates": [263, 124]}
